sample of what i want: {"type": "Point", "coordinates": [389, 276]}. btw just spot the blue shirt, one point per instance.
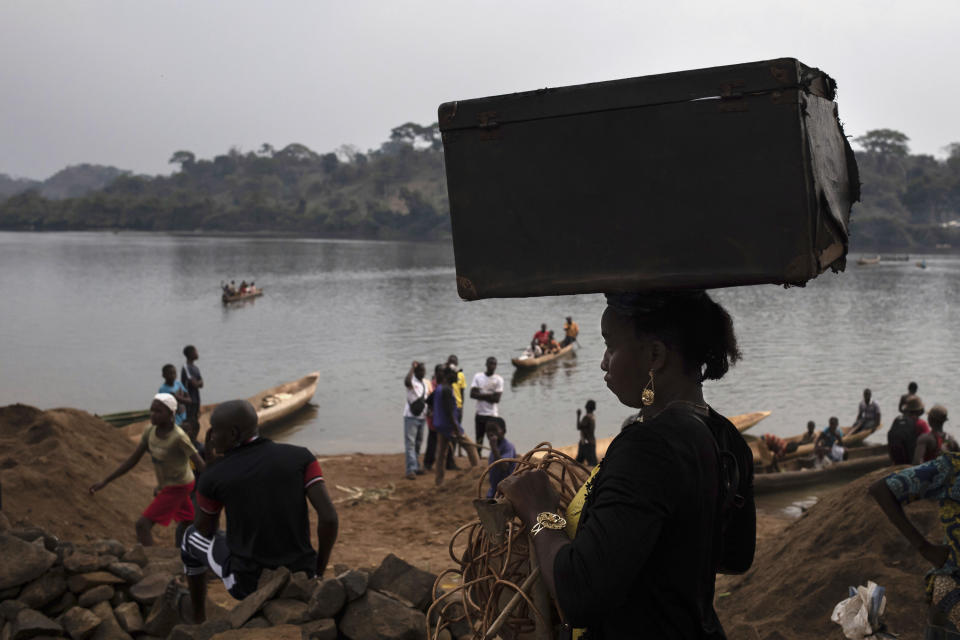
{"type": "Point", "coordinates": [829, 438]}
{"type": "Point", "coordinates": [500, 471]}
{"type": "Point", "coordinates": [177, 386]}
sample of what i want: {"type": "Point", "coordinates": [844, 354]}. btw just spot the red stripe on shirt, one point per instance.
{"type": "Point", "coordinates": [312, 474]}
{"type": "Point", "coordinates": [207, 505]}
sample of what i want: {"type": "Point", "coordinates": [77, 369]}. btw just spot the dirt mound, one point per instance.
{"type": "Point", "coordinates": [844, 540]}
{"type": "Point", "coordinates": [50, 458]}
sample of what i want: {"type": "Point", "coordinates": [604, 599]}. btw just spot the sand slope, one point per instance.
{"type": "Point", "coordinates": [844, 540]}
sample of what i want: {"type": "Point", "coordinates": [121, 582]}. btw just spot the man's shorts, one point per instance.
{"type": "Point", "coordinates": [199, 553]}
{"type": "Point", "coordinates": [172, 503]}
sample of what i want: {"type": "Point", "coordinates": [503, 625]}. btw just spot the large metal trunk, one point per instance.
{"type": "Point", "coordinates": [709, 178]}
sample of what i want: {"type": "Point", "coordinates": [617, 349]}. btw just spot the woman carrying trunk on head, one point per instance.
{"type": "Point", "coordinates": [671, 504]}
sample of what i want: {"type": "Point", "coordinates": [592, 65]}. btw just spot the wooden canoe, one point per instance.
{"type": "Point", "coordinates": [124, 418]}
{"type": "Point", "coordinates": [272, 405]}
{"type": "Point", "coordinates": [742, 422]}
{"type": "Point", "coordinates": [867, 261]}
{"type": "Point", "coordinates": [256, 293]}
{"type": "Point", "coordinates": [533, 363]}
{"type": "Point", "coordinates": [762, 455]}
{"type": "Point", "coordinates": [856, 465]}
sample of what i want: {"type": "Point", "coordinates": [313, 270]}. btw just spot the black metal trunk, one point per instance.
{"type": "Point", "coordinates": [710, 178]}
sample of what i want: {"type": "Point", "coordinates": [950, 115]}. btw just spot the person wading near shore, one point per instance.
{"type": "Point", "coordinates": [175, 388]}
{"type": "Point", "coordinates": [937, 480]}
{"type": "Point", "coordinates": [191, 379]}
{"type": "Point", "coordinates": [414, 417]}
{"type": "Point", "coordinates": [936, 442]}
{"type": "Point", "coordinates": [671, 504]}
{"type": "Point", "coordinates": [868, 413]}
{"type": "Point", "coordinates": [570, 330]}
{"type": "Point", "coordinates": [486, 388]}
{"type": "Point", "coordinates": [172, 454]}
{"type": "Point", "coordinates": [264, 488]}
{"type": "Point", "coordinates": [446, 423]}
{"type": "Point", "coordinates": [587, 426]}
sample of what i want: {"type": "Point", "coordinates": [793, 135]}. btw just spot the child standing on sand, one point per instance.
{"type": "Point", "coordinates": [172, 453]}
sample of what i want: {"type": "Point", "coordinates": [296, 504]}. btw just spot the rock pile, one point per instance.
{"type": "Point", "coordinates": [105, 591]}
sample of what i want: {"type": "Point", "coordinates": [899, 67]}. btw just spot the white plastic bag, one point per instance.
{"type": "Point", "coordinates": [859, 615]}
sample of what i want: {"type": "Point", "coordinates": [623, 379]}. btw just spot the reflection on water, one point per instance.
{"type": "Point", "coordinates": [88, 320]}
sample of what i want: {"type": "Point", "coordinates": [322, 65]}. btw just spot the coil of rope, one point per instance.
{"type": "Point", "coordinates": [498, 591]}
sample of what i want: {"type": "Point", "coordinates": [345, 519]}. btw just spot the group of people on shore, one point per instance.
{"type": "Point", "coordinates": [435, 406]}
{"type": "Point", "coordinates": [544, 342]}
{"type": "Point", "coordinates": [262, 486]}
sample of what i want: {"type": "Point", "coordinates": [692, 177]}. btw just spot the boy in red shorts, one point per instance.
{"type": "Point", "coordinates": [172, 452]}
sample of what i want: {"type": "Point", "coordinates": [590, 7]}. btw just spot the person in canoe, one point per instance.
{"type": "Point", "coordinates": [811, 433]}
{"type": "Point", "coordinates": [830, 441]}
{"type": "Point", "coordinates": [912, 389]}
{"type": "Point", "coordinates": [868, 413]}
{"type": "Point", "coordinates": [570, 330]}
{"type": "Point", "coordinates": [172, 454]}
{"type": "Point", "coordinates": [651, 528]}
{"type": "Point", "coordinates": [540, 339]}
{"type": "Point", "coordinates": [936, 442]}
{"type": "Point", "coordinates": [552, 345]}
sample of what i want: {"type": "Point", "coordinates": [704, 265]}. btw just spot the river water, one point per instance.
{"type": "Point", "coordinates": [88, 319]}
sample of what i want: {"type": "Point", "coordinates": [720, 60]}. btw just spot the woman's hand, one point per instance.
{"type": "Point", "coordinates": [936, 554]}
{"type": "Point", "coordinates": [530, 493]}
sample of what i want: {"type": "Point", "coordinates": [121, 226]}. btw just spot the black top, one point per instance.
{"type": "Point", "coordinates": [194, 372]}
{"type": "Point", "coordinates": [644, 560]}
{"type": "Point", "coordinates": [587, 428]}
{"type": "Point", "coordinates": [261, 486]}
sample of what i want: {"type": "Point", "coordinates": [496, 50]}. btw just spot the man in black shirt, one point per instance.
{"type": "Point", "coordinates": [262, 486]}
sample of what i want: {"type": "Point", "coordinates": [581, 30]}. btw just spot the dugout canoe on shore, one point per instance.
{"type": "Point", "coordinates": [124, 418]}
{"type": "Point", "coordinates": [272, 405]}
{"type": "Point", "coordinates": [742, 422]}
{"type": "Point", "coordinates": [762, 455]}
{"type": "Point", "coordinates": [532, 363]}
{"type": "Point", "coordinates": [792, 475]}
{"type": "Point", "coordinates": [226, 298]}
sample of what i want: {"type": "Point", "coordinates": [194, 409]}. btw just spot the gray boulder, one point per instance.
{"type": "Point", "coordinates": [405, 580]}
{"type": "Point", "coordinates": [325, 629]}
{"type": "Point", "coordinates": [90, 597]}
{"type": "Point", "coordinates": [22, 561]}
{"type": "Point", "coordinates": [30, 623]}
{"type": "Point", "coordinates": [128, 617]}
{"type": "Point", "coordinates": [355, 583]}
{"type": "Point", "coordinates": [79, 623]}
{"type": "Point", "coordinates": [256, 622]}
{"type": "Point", "coordinates": [327, 600]}
{"type": "Point", "coordinates": [67, 601]}
{"type": "Point", "coordinates": [136, 555]}
{"type": "Point", "coordinates": [83, 562]}
{"type": "Point", "coordinates": [377, 617]}
{"type": "Point", "coordinates": [300, 587]}
{"type": "Point", "coordinates": [149, 589]}
{"type": "Point", "coordinates": [129, 572]}
{"type": "Point", "coordinates": [44, 590]}
{"type": "Point", "coordinates": [83, 581]}
{"type": "Point", "coordinates": [285, 611]}
{"type": "Point", "coordinates": [270, 585]}
{"type": "Point", "coordinates": [109, 628]}
{"type": "Point", "coordinates": [10, 608]}
{"type": "Point", "coordinates": [111, 547]}
{"type": "Point", "coordinates": [203, 631]}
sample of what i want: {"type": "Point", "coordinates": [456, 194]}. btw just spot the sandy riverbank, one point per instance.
{"type": "Point", "coordinates": [803, 566]}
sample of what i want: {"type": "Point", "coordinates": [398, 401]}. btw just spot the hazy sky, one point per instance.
{"type": "Point", "coordinates": [127, 82]}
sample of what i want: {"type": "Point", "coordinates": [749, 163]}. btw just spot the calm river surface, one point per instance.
{"type": "Point", "coordinates": [88, 319]}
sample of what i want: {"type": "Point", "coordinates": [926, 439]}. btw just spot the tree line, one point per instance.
{"type": "Point", "coordinates": [910, 202]}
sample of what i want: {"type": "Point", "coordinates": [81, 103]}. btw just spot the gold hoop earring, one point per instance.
{"type": "Point", "coordinates": [648, 394]}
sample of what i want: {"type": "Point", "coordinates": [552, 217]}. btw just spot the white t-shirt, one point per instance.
{"type": "Point", "coordinates": [487, 384]}
{"type": "Point", "coordinates": [418, 389]}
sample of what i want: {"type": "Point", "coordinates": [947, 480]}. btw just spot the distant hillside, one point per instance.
{"type": "Point", "coordinates": [72, 182]}
{"type": "Point", "coordinates": [10, 186]}
{"type": "Point", "coordinates": [910, 202]}
{"type": "Point", "coordinates": [396, 191]}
